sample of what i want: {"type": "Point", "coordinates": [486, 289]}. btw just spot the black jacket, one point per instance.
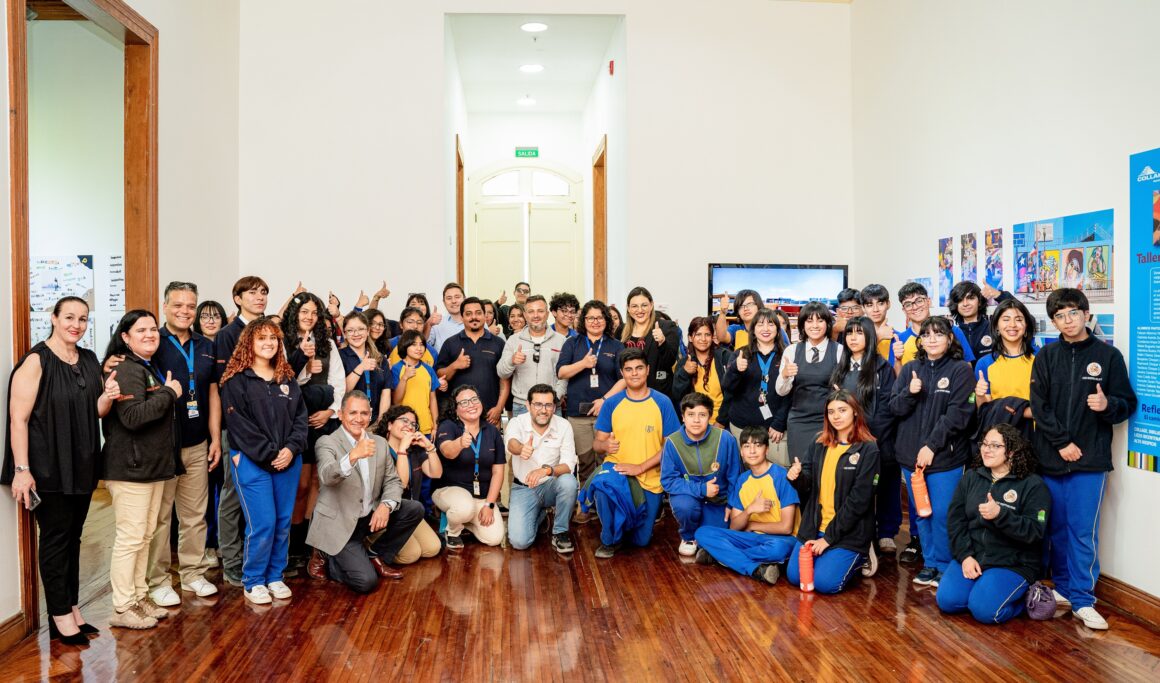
{"type": "Point", "coordinates": [263, 417]}
{"type": "Point", "coordinates": [683, 384]}
{"type": "Point", "coordinates": [1062, 377]}
{"type": "Point", "coordinates": [662, 357]}
{"type": "Point", "coordinates": [879, 417]}
{"type": "Point", "coordinates": [1006, 410]}
{"type": "Point", "coordinates": [141, 432]}
{"type": "Point", "coordinates": [744, 389]}
{"type": "Point", "coordinates": [1014, 539]}
{"type": "Point", "coordinates": [852, 527]}
{"type": "Point", "coordinates": [940, 416]}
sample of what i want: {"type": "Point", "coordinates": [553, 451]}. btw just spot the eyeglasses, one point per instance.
{"type": "Point", "coordinates": [596, 319]}
{"type": "Point", "coordinates": [378, 326]}
{"type": "Point", "coordinates": [407, 422]}
{"type": "Point", "coordinates": [1068, 315]}
{"type": "Point", "coordinates": [543, 406]}
{"type": "Point", "coordinates": [566, 311]}
{"type": "Point", "coordinates": [76, 370]}
{"type": "Point", "coordinates": [932, 336]}
{"type": "Point", "coordinates": [468, 402]}
{"type": "Point", "coordinates": [849, 309]}
{"type": "Point", "coordinates": [992, 445]}
{"type": "Point", "coordinates": [523, 290]}
{"type": "Point", "coordinates": [350, 331]}
{"type": "Point", "coordinates": [209, 316]}
{"type": "Point", "coordinates": [913, 303]}
{"type": "Point", "coordinates": [535, 353]}
{"type": "Point", "coordinates": [748, 305]}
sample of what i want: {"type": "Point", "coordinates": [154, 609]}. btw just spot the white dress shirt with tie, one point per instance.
{"type": "Point", "coordinates": [784, 385]}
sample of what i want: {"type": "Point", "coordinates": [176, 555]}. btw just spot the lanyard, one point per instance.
{"type": "Point", "coordinates": [188, 362]}
{"type": "Point", "coordinates": [476, 442]}
{"type": "Point", "coordinates": [154, 371]}
{"type": "Point", "coordinates": [764, 365]}
{"type": "Point", "coordinates": [598, 348]}
{"type": "Point", "coordinates": [367, 377]}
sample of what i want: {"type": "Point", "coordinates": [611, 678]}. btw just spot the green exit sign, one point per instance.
{"type": "Point", "coordinates": [527, 152]}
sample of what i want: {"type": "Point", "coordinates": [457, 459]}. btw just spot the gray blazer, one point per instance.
{"type": "Point", "coordinates": [340, 499]}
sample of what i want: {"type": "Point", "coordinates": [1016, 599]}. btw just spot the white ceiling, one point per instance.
{"type": "Point", "coordinates": [490, 49]}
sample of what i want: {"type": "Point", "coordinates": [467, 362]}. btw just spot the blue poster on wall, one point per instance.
{"type": "Point", "coordinates": [1144, 428]}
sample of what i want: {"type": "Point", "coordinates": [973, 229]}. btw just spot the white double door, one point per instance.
{"type": "Point", "coordinates": [539, 242]}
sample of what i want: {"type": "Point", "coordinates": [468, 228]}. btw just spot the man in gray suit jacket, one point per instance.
{"type": "Point", "coordinates": [359, 495]}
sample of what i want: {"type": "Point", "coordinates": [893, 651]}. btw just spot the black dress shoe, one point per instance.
{"type": "Point", "coordinates": [89, 629]}
{"type": "Point", "coordinates": [78, 638]}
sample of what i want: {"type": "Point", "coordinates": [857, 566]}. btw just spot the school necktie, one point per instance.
{"type": "Point", "coordinates": [814, 357]}
{"type": "Point", "coordinates": [856, 366]}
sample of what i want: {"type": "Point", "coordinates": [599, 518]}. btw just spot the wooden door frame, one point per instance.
{"type": "Point", "coordinates": [140, 158]}
{"type": "Point", "coordinates": [459, 210]}
{"type": "Point", "coordinates": [600, 221]}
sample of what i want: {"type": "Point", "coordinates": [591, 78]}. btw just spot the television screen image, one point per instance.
{"type": "Point", "coordinates": [781, 286]}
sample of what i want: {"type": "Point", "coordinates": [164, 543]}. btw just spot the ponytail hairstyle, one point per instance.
{"type": "Point", "coordinates": [767, 315]}
{"type": "Point", "coordinates": [1028, 340]}
{"type": "Point", "coordinates": [868, 373]}
{"type": "Point", "coordinates": [694, 325]}
{"type": "Point", "coordinates": [630, 322]}
{"type": "Point", "coordinates": [937, 323]}
{"type": "Point", "coordinates": [859, 431]}
{"type": "Point", "coordinates": [321, 332]}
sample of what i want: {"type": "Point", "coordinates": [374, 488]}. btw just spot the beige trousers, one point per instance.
{"type": "Point", "coordinates": [135, 507]}
{"type": "Point", "coordinates": [463, 511]}
{"type": "Point", "coordinates": [189, 493]}
{"type": "Point", "coordinates": [424, 542]}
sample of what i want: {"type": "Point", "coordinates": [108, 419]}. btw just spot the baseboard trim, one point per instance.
{"type": "Point", "coordinates": [12, 631]}
{"type": "Point", "coordinates": [1128, 599]}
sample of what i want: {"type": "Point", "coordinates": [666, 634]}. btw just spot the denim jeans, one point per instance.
{"type": "Point", "coordinates": [530, 504]}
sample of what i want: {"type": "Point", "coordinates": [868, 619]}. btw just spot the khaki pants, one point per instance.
{"type": "Point", "coordinates": [189, 493]}
{"type": "Point", "coordinates": [463, 511]}
{"type": "Point", "coordinates": [424, 542]}
{"type": "Point", "coordinates": [135, 507]}
{"type": "Point", "coordinates": [584, 432]}
{"type": "Point", "coordinates": [778, 453]}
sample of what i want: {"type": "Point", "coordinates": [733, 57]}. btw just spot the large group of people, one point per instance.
{"type": "Point", "coordinates": [348, 445]}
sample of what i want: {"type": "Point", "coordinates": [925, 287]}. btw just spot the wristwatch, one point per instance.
{"type": "Point", "coordinates": [491, 506]}
{"type": "Point", "coordinates": [21, 468]}
{"type": "Point", "coordinates": [551, 470]}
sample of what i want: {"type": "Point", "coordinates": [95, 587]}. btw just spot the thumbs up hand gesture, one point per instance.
{"type": "Point", "coordinates": [613, 444]}
{"type": "Point", "coordinates": [463, 361]}
{"type": "Point", "coordinates": [1098, 401]}
{"type": "Point", "coordinates": [112, 388]}
{"type": "Point", "coordinates": [982, 387]}
{"type": "Point", "coordinates": [795, 470]}
{"type": "Point", "coordinates": [362, 300]}
{"type": "Point", "coordinates": [519, 357]}
{"type": "Point", "coordinates": [365, 448]}
{"type": "Point", "coordinates": [589, 359]}
{"type": "Point", "coordinates": [502, 298]}
{"type": "Point", "coordinates": [742, 362]}
{"type": "Point", "coordinates": [528, 448]}
{"type": "Point", "coordinates": [898, 347]}
{"type": "Point", "coordinates": [691, 364]}
{"type": "Point", "coordinates": [760, 504]}
{"type": "Point", "coordinates": [299, 289]}
{"type": "Point", "coordinates": [712, 488]}
{"type": "Point", "coordinates": [989, 510]}
{"type": "Point", "coordinates": [658, 335]}
{"type": "Point", "coordinates": [790, 369]}
{"type": "Point", "coordinates": [436, 316]}
{"type": "Point", "coordinates": [383, 292]}
{"type": "Point", "coordinates": [723, 303]}
{"type": "Point", "coordinates": [915, 383]}
{"type": "Point", "coordinates": [173, 384]}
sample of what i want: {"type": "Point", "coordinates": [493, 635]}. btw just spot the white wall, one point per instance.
{"type": "Point", "coordinates": [970, 116]}
{"type": "Point", "coordinates": [495, 136]}
{"type": "Point", "coordinates": [76, 161]}
{"type": "Point", "coordinates": [737, 121]}
{"type": "Point", "coordinates": [454, 124]}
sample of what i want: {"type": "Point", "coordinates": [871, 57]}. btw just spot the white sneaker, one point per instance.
{"type": "Point", "coordinates": [1091, 618]}
{"type": "Point", "coordinates": [1060, 601]}
{"type": "Point", "coordinates": [687, 548]}
{"type": "Point", "coordinates": [165, 596]}
{"type": "Point", "coordinates": [279, 590]}
{"type": "Point", "coordinates": [871, 566]}
{"type": "Point", "coordinates": [258, 595]}
{"type": "Point", "coordinates": [887, 545]}
{"type": "Point", "coordinates": [201, 587]}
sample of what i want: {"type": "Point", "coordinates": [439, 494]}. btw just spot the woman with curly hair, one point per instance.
{"type": "Point", "coordinates": [267, 423]}
{"type": "Point", "coordinates": [996, 522]}
{"type": "Point", "coordinates": [309, 346]}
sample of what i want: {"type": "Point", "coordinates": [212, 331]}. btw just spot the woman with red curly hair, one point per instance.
{"type": "Point", "coordinates": [267, 422]}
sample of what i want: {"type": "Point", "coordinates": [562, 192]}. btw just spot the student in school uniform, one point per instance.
{"type": "Point", "coordinates": [267, 423]}
{"type": "Point", "coordinates": [416, 382]}
{"type": "Point", "coordinates": [849, 306]}
{"type": "Point", "coordinates": [997, 521]}
{"type": "Point", "coordinates": [804, 376]}
{"type": "Point", "coordinates": [699, 468]}
{"type": "Point", "coordinates": [836, 482]}
{"type": "Point", "coordinates": [876, 306]}
{"type": "Point", "coordinates": [749, 379]}
{"type": "Point", "coordinates": [702, 370]}
{"type": "Point", "coordinates": [762, 507]}
{"type": "Point", "coordinates": [870, 379]}
{"type": "Point", "coordinates": [410, 319]}
{"type": "Point", "coordinates": [1003, 386]}
{"type": "Point", "coordinates": [916, 304]}
{"type": "Point", "coordinates": [364, 365]}
{"type": "Point", "coordinates": [746, 304]}
{"type": "Point", "coordinates": [967, 303]}
{"type": "Point", "coordinates": [932, 401]}
{"type": "Point", "coordinates": [564, 307]}
{"type": "Point", "coordinates": [1080, 389]}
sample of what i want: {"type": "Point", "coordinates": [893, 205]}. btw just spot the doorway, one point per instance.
{"type": "Point", "coordinates": [50, 33]}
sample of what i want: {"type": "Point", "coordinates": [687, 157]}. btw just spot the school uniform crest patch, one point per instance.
{"type": "Point", "coordinates": [1011, 496]}
{"type": "Point", "coordinates": [285, 389]}
{"type": "Point", "coordinates": [854, 458]}
{"type": "Point", "coordinates": [987, 340]}
{"type": "Point", "coordinates": [1094, 369]}
{"type": "Point", "coordinates": [944, 382]}
{"type": "Point", "coordinates": [715, 466]}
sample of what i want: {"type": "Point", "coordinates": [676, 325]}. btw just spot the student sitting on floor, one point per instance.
{"type": "Point", "coordinates": [762, 507]}
{"type": "Point", "coordinates": [836, 482]}
{"type": "Point", "coordinates": [699, 468]}
{"type": "Point", "coordinates": [997, 521]}
{"type": "Point", "coordinates": [630, 432]}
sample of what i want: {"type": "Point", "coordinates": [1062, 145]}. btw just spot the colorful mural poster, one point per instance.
{"type": "Point", "coordinates": [993, 254]}
{"type": "Point", "coordinates": [946, 265]}
{"type": "Point", "coordinates": [1143, 306]}
{"type": "Point", "coordinates": [1043, 251]}
{"type": "Point", "coordinates": [969, 258]}
{"type": "Point", "coordinates": [53, 278]}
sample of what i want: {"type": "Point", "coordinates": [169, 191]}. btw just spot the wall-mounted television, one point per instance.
{"type": "Point", "coordinates": [783, 286]}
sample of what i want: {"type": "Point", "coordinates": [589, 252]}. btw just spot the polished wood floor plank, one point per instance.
{"type": "Point", "coordinates": [495, 614]}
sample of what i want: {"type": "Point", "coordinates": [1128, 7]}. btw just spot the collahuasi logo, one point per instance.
{"type": "Point", "coordinates": [1147, 174]}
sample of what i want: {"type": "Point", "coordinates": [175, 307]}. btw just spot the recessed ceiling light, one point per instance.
{"type": "Point", "coordinates": [526, 101]}
{"type": "Point", "coordinates": [532, 68]}
{"type": "Point", "coordinates": [534, 27]}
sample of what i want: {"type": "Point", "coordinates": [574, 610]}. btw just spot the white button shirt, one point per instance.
{"type": "Point", "coordinates": [557, 446]}
{"type": "Point", "coordinates": [364, 470]}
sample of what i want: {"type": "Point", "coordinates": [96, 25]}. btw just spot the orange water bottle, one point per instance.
{"type": "Point", "coordinates": [806, 569]}
{"type": "Point", "coordinates": [921, 495]}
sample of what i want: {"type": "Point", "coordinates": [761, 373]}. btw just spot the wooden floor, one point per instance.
{"type": "Point", "coordinates": [491, 614]}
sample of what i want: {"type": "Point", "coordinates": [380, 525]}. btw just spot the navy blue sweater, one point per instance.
{"type": "Point", "coordinates": [263, 417]}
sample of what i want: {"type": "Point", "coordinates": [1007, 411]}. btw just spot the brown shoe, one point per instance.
{"type": "Point", "coordinates": [132, 618]}
{"type": "Point", "coordinates": [386, 571]}
{"type": "Point", "coordinates": [316, 567]}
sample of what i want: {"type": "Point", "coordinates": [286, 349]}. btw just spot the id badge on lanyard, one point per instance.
{"type": "Point", "coordinates": [475, 445]}
{"type": "Point", "coordinates": [191, 403]}
{"type": "Point", "coordinates": [594, 379]}
{"type": "Point", "coordinates": [765, 365]}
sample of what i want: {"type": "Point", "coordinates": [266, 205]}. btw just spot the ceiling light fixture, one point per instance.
{"type": "Point", "coordinates": [526, 101]}
{"type": "Point", "coordinates": [532, 68]}
{"type": "Point", "coordinates": [534, 27]}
